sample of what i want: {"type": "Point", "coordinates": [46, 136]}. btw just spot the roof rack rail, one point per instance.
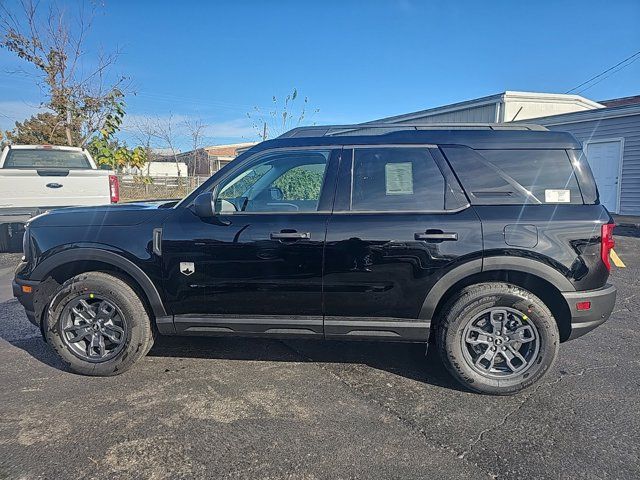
{"type": "Point", "coordinates": [370, 128]}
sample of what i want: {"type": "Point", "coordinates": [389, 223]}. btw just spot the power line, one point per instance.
{"type": "Point", "coordinates": [633, 58]}
{"type": "Point", "coordinates": [612, 73]}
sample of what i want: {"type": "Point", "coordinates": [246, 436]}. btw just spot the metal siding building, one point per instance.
{"type": "Point", "coordinates": [611, 139]}
{"type": "Point", "coordinates": [502, 107]}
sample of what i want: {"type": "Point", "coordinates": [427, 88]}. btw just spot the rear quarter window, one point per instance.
{"type": "Point", "coordinates": [40, 158]}
{"type": "Point", "coordinates": [498, 177]}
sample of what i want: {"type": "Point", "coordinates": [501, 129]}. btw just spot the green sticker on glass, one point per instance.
{"type": "Point", "coordinates": [399, 178]}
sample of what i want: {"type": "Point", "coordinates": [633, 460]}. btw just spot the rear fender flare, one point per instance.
{"type": "Point", "coordinates": [518, 264]}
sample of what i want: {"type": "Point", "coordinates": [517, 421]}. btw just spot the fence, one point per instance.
{"type": "Point", "coordinates": [133, 187]}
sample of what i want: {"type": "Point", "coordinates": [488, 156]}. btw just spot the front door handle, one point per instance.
{"type": "Point", "coordinates": [439, 236]}
{"type": "Point", "coordinates": [290, 235]}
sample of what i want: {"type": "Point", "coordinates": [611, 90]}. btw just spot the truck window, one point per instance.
{"type": "Point", "coordinates": [495, 177]}
{"type": "Point", "coordinates": [40, 158]}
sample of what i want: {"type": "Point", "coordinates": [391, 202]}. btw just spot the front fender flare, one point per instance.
{"type": "Point", "coordinates": [41, 271]}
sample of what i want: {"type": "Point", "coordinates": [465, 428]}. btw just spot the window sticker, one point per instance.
{"type": "Point", "coordinates": [557, 196]}
{"type": "Point", "coordinates": [399, 178]}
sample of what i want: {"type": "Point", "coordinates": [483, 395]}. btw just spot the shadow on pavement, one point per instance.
{"type": "Point", "coordinates": [402, 359]}
{"type": "Point", "coordinates": [626, 232]}
{"type": "Point", "coordinates": [16, 329]}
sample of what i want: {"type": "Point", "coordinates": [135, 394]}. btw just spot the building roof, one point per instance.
{"type": "Point", "coordinates": [228, 150]}
{"type": "Point", "coordinates": [492, 99]}
{"type": "Point", "coordinates": [619, 102]}
{"type": "Point", "coordinates": [590, 115]}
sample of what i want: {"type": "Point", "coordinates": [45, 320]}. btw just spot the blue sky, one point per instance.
{"type": "Point", "coordinates": [356, 61]}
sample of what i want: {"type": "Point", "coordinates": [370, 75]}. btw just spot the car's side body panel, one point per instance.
{"type": "Point", "coordinates": [565, 238]}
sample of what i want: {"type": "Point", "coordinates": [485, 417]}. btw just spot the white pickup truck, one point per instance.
{"type": "Point", "coordinates": [37, 178]}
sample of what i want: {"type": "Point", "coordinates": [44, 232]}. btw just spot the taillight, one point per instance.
{"type": "Point", "coordinates": [114, 189]}
{"type": "Point", "coordinates": [606, 243]}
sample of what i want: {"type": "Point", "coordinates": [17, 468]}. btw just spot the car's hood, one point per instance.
{"type": "Point", "coordinates": [125, 214]}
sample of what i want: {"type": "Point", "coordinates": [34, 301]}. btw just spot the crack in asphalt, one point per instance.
{"type": "Point", "coordinates": [407, 422]}
{"type": "Point", "coordinates": [519, 407]}
{"type": "Point", "coordinates": [416, 428]}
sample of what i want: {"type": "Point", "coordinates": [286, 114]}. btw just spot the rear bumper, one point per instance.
{"type": "Point", "coordinates": [602, 303]}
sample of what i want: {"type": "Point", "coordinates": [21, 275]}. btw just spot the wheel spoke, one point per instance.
{"type": "Point", "coordinates": [96, 346]}
{"type": "Point", "coordinates": [488, 357]}
{"type": "Point", "coordinates": [81, 314]}
{"type": "Point", "coordinates": [509, 355]}
{"type": "Point", "coordinates": [114, 333]}
{"type": "Point", "coordinates": [477, 336]}
{"type": "Point", "coordinates": [81, 331]}
{"type": "Point", "coordinates": [523, 334]}
{"type": "Point", "coordinates": [87, 308]}
{"type": "Point", "coordinates": [106, 310]}
{"type": "Point", "coordinates": [497, 318]}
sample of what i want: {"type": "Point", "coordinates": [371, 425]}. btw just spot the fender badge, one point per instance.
{"type": "Point", "coordinates": [187, 268]}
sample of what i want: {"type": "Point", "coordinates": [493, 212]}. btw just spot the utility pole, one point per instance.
{"type": "Point", "coordinates": [264, 132]}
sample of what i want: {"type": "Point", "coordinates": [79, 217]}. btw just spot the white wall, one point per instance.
{"type": "Point", "coordinates": [165, 169]}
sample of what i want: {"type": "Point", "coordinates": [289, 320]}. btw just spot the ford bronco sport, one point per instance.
{"type": "Point", "coordinates": [489, 239]}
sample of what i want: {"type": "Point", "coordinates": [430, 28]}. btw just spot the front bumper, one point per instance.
{"type": "Point", "coordinates": [27, 299]}
{"type": "Point", "coordinates": [602, 303]}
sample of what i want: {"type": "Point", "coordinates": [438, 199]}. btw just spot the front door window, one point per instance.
{"type": "Point", "coordinates": [282, 182]}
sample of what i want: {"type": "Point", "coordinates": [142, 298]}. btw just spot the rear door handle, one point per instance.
{"type": "Point", "coordinates": [439, 236]}
{"type": "Point", "coordinates": [290, 235]}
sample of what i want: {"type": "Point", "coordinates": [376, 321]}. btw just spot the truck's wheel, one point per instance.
{"type": "Point", "coordinates": [497, 338]}
{"type": "Point", "coordinates": [98, 324]}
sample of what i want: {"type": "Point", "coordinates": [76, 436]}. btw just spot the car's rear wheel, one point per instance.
{"type": "Point", "coordinates": [98, 324]}
{"type": "Point", "coordinates": [497, 338]}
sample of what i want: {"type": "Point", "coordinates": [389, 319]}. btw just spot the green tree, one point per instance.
{"type": "Point", "coordinates": [301, 183]}
{"type": "Point", "coordinates": [106, 150]}
{"type": "Point", "coordinates": [78, 87]}
{"type": "Point", "coordinates": [42, 128]}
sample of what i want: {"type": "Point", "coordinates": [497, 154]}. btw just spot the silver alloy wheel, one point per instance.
{"type": "Point", "coordinates": [500, 343]}
{"type": "Point", "coordinates": [93, 328]}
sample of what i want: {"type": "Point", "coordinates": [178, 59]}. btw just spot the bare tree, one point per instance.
{"type": "Point", "coordinates": [143, 130]}
{"type": "Point", "coordinates": [284, 114]}
{"type": "Point", "coordinates": [195, 129]}
{"type": "Point", "coordinates": [79, 88]}
{"type": "Point", "coordinates": [165, 131]}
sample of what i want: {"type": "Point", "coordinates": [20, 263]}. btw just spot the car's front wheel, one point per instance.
{"type": "Point", "coordinates": [98, 324]}
{"type": "Point", "coordinates": [497, 338]}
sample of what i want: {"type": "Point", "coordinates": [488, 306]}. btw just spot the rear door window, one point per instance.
{"type": "Point", "coordinates": [396, 179]}
{"type": "Point", "coordinates": [494, 177]}
{"type": "Point", "coordinates": [41, 158]}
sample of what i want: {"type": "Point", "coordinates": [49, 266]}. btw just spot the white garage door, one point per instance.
{"type": "Point", "coordinates": [605, 159]}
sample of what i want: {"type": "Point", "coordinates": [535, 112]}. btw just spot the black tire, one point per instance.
{"type": "Point", "coordinates": [468, 312]}
{"type": "Point", "coordinates": [137, 334]}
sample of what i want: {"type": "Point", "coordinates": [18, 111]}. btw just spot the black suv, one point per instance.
{"type": "Point", "coordinates": [488, 239]}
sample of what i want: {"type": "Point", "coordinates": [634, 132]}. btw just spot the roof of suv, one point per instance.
{"type": "Point", "coordinates": [478, 136]}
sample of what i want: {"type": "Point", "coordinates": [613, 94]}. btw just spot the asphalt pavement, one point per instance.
{"type": "Point", "coordinates": [265, 409]}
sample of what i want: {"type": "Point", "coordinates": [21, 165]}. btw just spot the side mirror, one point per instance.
{"type": "Point", "coordinates": [203, 205]}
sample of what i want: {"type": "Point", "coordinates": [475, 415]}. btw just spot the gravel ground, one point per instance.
{"type": "Point", "coordinates": [246, 408]}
